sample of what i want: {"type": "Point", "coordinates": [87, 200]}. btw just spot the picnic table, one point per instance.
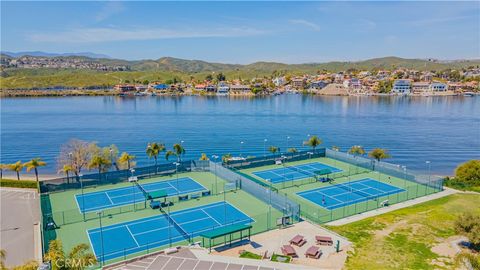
{"type": "Point", "coordinates": [324, 240]}
{"type": "Point", "coordinates": [298, 240]}
{"type": "Point", "coordinates": [288, 250]}
{"type": "Point", "coordinates": [313, 252]}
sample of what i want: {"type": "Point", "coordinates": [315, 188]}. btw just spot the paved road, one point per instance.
{"type": "Point", "coordinates": [19, 211]}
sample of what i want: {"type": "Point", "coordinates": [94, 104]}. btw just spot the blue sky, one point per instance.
{"type": "Point", "coordinates": [245, 32]}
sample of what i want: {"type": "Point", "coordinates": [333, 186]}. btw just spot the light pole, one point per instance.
{"type": "Point", "coordinates": [83, 197]}
{"type": "Point", "coordinates": [265, 147]}
{"type": "Point", "coordinates": [181, 144]}
{"type": "Point", "coordinates": [176, 174]}
{"type": "Point", "coordinates": [99, 213]}
{"type": "Point", "coordinates": [405, 175]}
{"type": "Point", "coordinates": [215, 157]}
{"type": "Point", "coordinates": [286, 150]}
{"type": "Point", "coordinates": [427, 163]}
{"type": "Point", "coordinates": [132, 171]}
{"type": "Point", "coordinates": [241, 146]}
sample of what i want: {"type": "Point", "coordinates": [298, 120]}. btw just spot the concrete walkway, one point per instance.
{"type": "Point", "coordinates": [19, 219]}
{"type": "Point", "coordinates": [379, 211]}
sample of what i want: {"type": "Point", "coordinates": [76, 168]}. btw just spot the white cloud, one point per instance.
{"type": "Point", "coordinates": [306, 23]}
{"type": "Point", "coordinates": [91, 35]}
{"type": "Point", "coordinates": [109, 9]}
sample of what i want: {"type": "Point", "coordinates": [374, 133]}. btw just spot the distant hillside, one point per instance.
{"type": "Point", "coordinates": [46, 54]}
{"type": "Point", "coordinates": [168, 68]}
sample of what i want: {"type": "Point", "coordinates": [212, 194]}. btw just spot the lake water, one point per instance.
{"type": "Point", "coordinates": [443, 130]}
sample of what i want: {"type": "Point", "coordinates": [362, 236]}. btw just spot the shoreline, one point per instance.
{"type": "Point", "coordinates": [114, 93]}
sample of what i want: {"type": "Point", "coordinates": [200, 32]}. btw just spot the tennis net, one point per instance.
{"type": "Point", "coordinates": [175, 224]}
{"type": "Point", "coordinates": [294, 168]}
{"type": "Point", "coordinates": [145, 193]}
{"type": "Point", "coordinates": [356, 191]}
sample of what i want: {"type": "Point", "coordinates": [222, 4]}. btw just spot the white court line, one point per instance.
{"type": "Point", "coordinates": [108, 196]}
{"type": "Point", "coordinates": [131, 234]}
{"type": "Point", "coordinates": [212, 217]}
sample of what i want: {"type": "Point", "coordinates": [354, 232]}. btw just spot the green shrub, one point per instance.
{"type": "Point", "coordinates": [18, 184]}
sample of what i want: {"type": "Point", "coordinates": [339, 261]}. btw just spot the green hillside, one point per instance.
{"type": "Point", "coordinates": [168, 68]}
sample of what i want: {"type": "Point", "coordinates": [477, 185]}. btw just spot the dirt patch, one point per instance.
{"type": "Point", "coordinates": [389, 229]}
{"type": "Point", "coordinates": [448, 247]}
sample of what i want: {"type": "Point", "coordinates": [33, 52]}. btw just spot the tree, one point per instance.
{"type": "Point", "coordinates": [78, 258]}
{"type": "Point", "coordinates": [126, 159]}
{"type": "Point", "coordinates": [335, 148]}
{"type": "Point", "coordinates": [467, 260]}
{"type": "Point", "coordinates": [221, 77]}
{"type": "Point", "coordinates": [111, 153]}
{"type": "Point", "coordinates": [226, 158]}
{"type": "Point", "coordinates": [313, 142]}
{"type": "Point", "coordinates": [209, 77]}
{"type": "Point", "coordinates": [2, 167]}
{"type": "Point", "coordinates": [34, 164]}
{"type": "Point", "coordinates": [204, 157]}
{"type": "Point", "coordinates": [3, 255]}
{"type": "Point", "coordinates": [379, 154]}
{"type": "Point", "coordinates": [468, 225]}
{"type": "Point", "coordinates": [356, 150]}
{"type": "Point", "coordinates": [292, 150]}
{"type": "Point", "coordinates": [178, 151]}
{"type": "Point", "coordinates": [100, 163]}
{"type": "Point", "coordinates": [16, 167]}
{"type": "Point", "coordinates": [273, 149]}
{"type": "Point", "coordinates": [154, 149]}
{"type": "Point", "coordinates": [77, 154]}
{"type": "Point", "coordinates": [468, 173]}
{"type": "Point", "coordinates": [66, 169]}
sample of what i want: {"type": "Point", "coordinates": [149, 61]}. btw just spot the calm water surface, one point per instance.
{"type": "Point", "coordinates": [445, 131]}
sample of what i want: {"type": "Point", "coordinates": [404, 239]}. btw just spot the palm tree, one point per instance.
{"type": "Point", "coordinates": [153, 149]}
{"type": "Point", "coordinates": [226, 158]}
{"type": "Point", "coordinates": [292, 150]}
{"type": "Point", "coordinates": [16, 167]}
{"type": "Point", "coordinates": [66, 169]}
{"type": "Point", "coordinates": [55, 253]}
{"type": "Point", "coordinates": [379, 154]}
{"type": "Point", "coordinates": [313, 142]}
{"type": "Point", "coordinates": [126, 158]}
{"type": "Point", "coordinates": [81, 255]}
{"type": "Point", "coordinates": [204, 157]}
{"type": "Point", "coordinates": [99, 162]}
{"type": "Point", "coordinates": [3, 255]}
{"type": "Point", "coordinates": [34, 164]}
{"type": "Point", "coordinates": [273, 149]}
{"type": "Point", "coordinates": [357, 150]}
{"type": "Point", "coordinates": [178, 151]}
{"type": "Point", "coordinates": [2, 167]}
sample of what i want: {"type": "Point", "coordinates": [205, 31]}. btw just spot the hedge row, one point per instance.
{"type": "Point", "coordinates": [18, 184]}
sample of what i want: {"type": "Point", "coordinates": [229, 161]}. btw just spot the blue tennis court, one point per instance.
{"type": "Point", "coordinates": [156, 231]}
{"type": "Point", "coordinates": [292, 173]}
{"type": "Point", "coordinates": [340, 195]}
{"type": "Point", "coordinates": [98, 200]}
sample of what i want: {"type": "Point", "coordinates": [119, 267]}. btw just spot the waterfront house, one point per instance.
{"type": "Point", "coordinates": [420, 87]}
{"type": "Point", "coordinates": [240, 89]}
{"type": "Point", "coordinates": [223, 88]}
{"type": "Point", "coordinates": [212, 88]}
{"type": "Point", "coordinates": [279, 81]}
{"type": "Point", "coordinates": [298, 83]}
{"type": "Point", "coordinates": [352, 84]}
{"type": "Point", "coordinates": [161, 87]}
{"type": "Point", "coordinates": [438, 87]}
{"type": "Point", "coordinates": [125, 88]}
{"type": "Point", "coordinates": [401, 87]}
{"type": "Point", "coordinates": [318, 84]}
{"type": "Point", "coordinates": [427, 76]}
{"type": "Point", "coordinates": [140, 87]}
{"type": "Point", "coordinates": [200, 87]}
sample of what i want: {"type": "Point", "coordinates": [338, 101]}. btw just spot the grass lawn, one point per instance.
{"type": "Point", "coordinates": [403, 239]}
{"type": "Point", "coordinates": [250, 255]}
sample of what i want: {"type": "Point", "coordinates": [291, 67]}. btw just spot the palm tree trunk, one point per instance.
{"type": "Point", "coordinates": [128, 163]}
{"type": "Point", "coordinates": [155, 160]}
{"type": "Point", "coordinates": [36, 174]}
{"type": "Point", "coordinates": [1, 174]}
{"type": "Point", "coordinates": [18, 175]}
{"type": "Point", "coordinates": [68, 178]}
